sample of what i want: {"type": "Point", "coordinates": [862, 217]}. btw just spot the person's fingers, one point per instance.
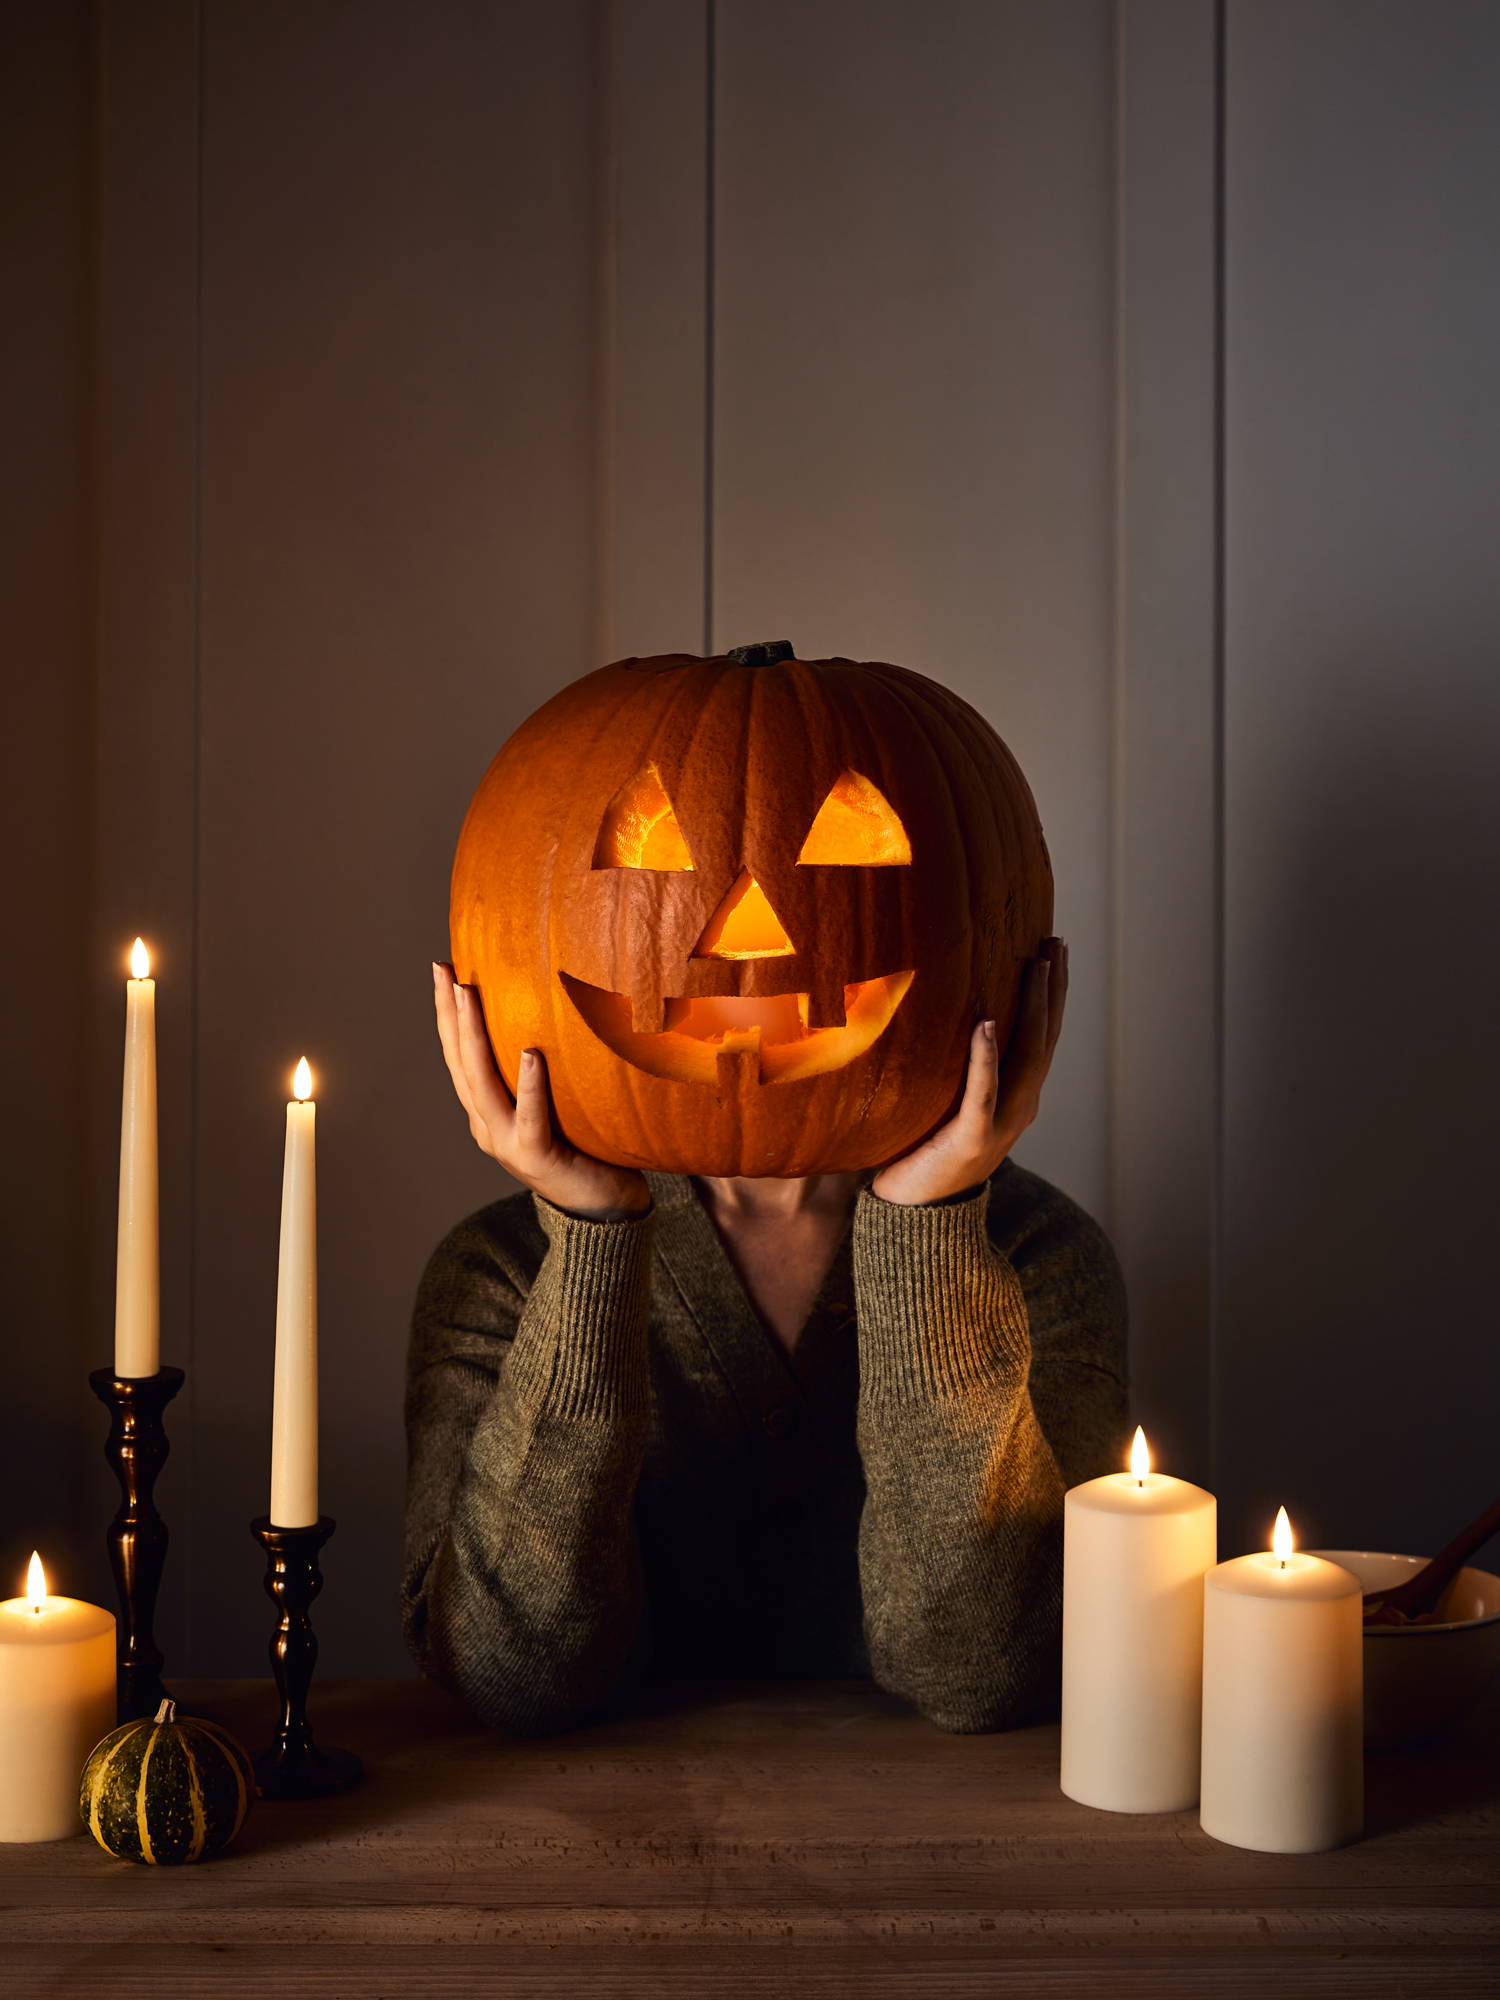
{"type": "Point", "coordinates": [977, 1109]}
{"type": "Point", "coordinates": [447, 1026]}
{"type": "Point", "coordinates": [533, 1126]}
{"type": "Point", "coordinates": [1025, 1062]}
{"type": "Point", "coordinates": [1057, 994]}
{"type": "Point", "coordinates": [491, 1101]}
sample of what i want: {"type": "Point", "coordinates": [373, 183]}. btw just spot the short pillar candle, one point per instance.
{"type": "Point", "coordinates": [57, 1699]}
{"type": "Point", "coordinates": [1135, 1547]}
{"type": "Point", "coordinates": [1283, 1701]}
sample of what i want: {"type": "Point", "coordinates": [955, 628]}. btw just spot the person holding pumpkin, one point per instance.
{"type": "Point", "coordinates": [784, 1424]}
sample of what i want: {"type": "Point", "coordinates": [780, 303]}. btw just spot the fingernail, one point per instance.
{"type": "Point", "coordinates": [528, 1058]}
{"type": "Point", "coordinates": [437, 973]}
{"type": "Point", "coordinates": [461, 995]}
{"type": "Point", "coordinates": [988, 1029]}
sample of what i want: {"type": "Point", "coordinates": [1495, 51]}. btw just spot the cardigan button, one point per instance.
{"type": "Point", "coordinates": [780, 1420]}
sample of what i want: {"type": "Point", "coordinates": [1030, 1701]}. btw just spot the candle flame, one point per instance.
{"type": "Point", "coordinates": [302, 1081]}
{"type": "Point", "coordinates": [1281, 1536]}
{"type": "Point", "coordinates": [140, 960]}
{"type": "Point", "coordinates": [36, 1582]}
{"type": "Point", "coordinates": [1140, 1455]}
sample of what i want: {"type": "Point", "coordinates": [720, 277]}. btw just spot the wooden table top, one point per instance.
{"type": "Point", "coordinates": [788, 1839]}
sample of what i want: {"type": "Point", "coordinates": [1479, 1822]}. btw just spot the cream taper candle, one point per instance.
{"type": "Point", "coordinates": [294, 1420]}
{"type": "Point", "coordinates": [1283, 1701]}
{"type": "Point", "coordinates": [1135, 1547]}
{"type": "Point", "coordinates": [57, 1698]}
{"type": "Point", "coordinates": [137, 1255]}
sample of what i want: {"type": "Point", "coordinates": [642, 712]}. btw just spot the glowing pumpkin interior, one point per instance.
{"type": "Point", "coordinates": [640, 829]}
{"type": "Point", "coordinates": [855, 826]}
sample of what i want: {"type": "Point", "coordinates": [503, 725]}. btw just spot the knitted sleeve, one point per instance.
{"type": "Point", "coordinates": [990, 1380]}
{"type": "Point", "coordinates": [527, 1417]}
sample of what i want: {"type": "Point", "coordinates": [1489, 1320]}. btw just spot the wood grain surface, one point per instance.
{"type": "Point", "coordinates": [794, 1838]}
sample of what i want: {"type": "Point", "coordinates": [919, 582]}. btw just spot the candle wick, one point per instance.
{"type": "Point", "coordinates": [1283, 1562]}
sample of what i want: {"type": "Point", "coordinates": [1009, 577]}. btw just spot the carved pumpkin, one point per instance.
{"type": "Point", "coordinates": [749, 907]}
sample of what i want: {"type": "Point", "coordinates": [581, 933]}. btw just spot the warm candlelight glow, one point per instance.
{"type": "Point", "coordinates": [36, 1582]}
{"type": "Point", "coordinates": [1281, 1537]}
{"type": "Point", "coordinates": [140, 960]}
{"type": "Point", "coordinates": [1140, 1457]}
{"type": "Point", "coordinates": [302, 1082]}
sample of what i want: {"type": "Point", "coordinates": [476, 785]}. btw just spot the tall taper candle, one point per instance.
{"type": "Point", "coordinates": [137, 1282]}
{"type": "Point", "coordinates": [294, 1423]}
{"type": "Point", "coordinates": [1135, 1547]}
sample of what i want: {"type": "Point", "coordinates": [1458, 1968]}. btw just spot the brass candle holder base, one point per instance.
{"type": "Point", "coordinates": [293, 1766]}
{"type": "Point", "coordinates": [137, 1449]}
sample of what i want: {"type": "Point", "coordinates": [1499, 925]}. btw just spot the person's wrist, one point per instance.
{"type": "Point", "coordinates": [620, 1214]}
{"type": "Point", "coordinates": [923, 1199]}
{"type": "Point", "coordinates": [627, 1201]}
{"type": "Point", "coordinates": [917, 1182]}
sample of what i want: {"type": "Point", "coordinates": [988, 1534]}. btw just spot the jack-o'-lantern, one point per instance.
{"type": "Point", "coordinates": [749, 907]}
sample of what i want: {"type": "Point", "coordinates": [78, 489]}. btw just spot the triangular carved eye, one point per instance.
{"type": "Point", "coordinates": [640, 829]}
{"type": "Point", "coordinates": [857, 826]}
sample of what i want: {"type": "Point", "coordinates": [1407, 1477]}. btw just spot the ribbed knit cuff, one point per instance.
{"type": "Point", "coordinates": [939, 1310]}
{"type": "Point", "coordinates": [592, 1295]}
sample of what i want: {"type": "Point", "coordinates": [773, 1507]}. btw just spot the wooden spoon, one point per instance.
{"type": "Point", "coordinates": [1421, 1591]}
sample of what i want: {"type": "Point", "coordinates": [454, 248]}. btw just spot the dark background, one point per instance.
{"type": "Point", "coordinates": [373, 369]}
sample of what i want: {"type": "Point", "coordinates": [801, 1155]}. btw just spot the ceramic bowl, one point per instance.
{"type": "Point", "coordinates": [1421, 1680]}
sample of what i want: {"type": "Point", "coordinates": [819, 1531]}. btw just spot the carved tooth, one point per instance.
{"type": "Point", "coordinates": [731, 1067]}
{"type": "Point", "coordinates": [825, 1003]}
{"type": "Point", "coordinates": [648, 1012]}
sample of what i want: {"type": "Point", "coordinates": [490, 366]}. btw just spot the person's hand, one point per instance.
{"type": "Point", "coordinates": [1000, 1097]}
{"type": "Point", "coordinates": [518, 1131]}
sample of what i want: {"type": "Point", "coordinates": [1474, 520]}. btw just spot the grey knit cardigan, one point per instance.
{"type": "Point", "coordinates": [616, 1472]}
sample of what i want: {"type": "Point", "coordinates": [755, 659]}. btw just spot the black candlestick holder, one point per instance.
{"type": "Point", "coordinates": [137, 1449]}
{"type": "Point", "coordinates": [293, 1766]}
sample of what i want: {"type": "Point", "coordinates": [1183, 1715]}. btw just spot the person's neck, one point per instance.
{"type": "Point", "coordinates": [743, 1197]}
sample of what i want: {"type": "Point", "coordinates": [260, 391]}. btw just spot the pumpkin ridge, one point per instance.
{"type": "Point", "coordinates": [949, 728]}
{"type": "Point", "coordinates": [231, 1754]}
{"type": "Point", "coordinates": [142, 1812]}
{"type": "Point", "coordinates": [195, 1809]}
{"type": "Point", "coordinates": [101, 1777]}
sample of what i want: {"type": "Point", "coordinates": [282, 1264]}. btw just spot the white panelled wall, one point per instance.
{"type": "Point", "coordinates": [1128, 367]}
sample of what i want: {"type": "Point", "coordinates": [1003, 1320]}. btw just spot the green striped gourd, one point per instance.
{"type": "Point", "coordinates": [166, 1789]}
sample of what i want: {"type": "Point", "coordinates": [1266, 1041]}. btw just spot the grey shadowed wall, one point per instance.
{"type": "Point", "coordinates": [381, 369]}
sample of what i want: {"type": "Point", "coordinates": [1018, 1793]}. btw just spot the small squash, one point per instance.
{"type": "Point", "coordinates": [166, 1789]}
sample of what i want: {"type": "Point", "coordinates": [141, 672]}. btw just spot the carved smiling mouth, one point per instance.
{"type": "Point", "coordinates": [770, 1028]}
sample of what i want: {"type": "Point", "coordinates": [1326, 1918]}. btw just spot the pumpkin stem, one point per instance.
{"type": "Point", "coordinates": [167, 1711]}
{"type": "Point", "coordinates": [765, 654]}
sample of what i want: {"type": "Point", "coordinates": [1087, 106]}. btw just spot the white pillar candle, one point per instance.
{"type": "Point", "coordinates": [57, 1698]}
{"type": "Point", "coordinates": [1283, 1700]}
{"type": "Point", "coordinates": [1135, 1547]}
{"type": "Point", "coordinates": [294, 1423]}
{"type": "Point", "coordinates": [137, 1285]}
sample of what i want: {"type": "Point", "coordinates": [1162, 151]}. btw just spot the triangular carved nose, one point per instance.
{"type": "Point", "coordinates": [744, 926]}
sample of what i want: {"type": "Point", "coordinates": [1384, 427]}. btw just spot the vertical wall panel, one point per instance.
{"type": "Point", "coordinates": [50, 1420]}
{"type": "Point", "coordinates": [1362, 717]}
{"type": "Point", "coordinates": [654, 332]}
{"type": "Point", "coordinates": [398, 563]}
{"type": "Point", "coordinates": [146, 679]}
{"type": "Point", "coordinates": [913, 401]}
{"type": "Point", "coordinates": [1166, 834]}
